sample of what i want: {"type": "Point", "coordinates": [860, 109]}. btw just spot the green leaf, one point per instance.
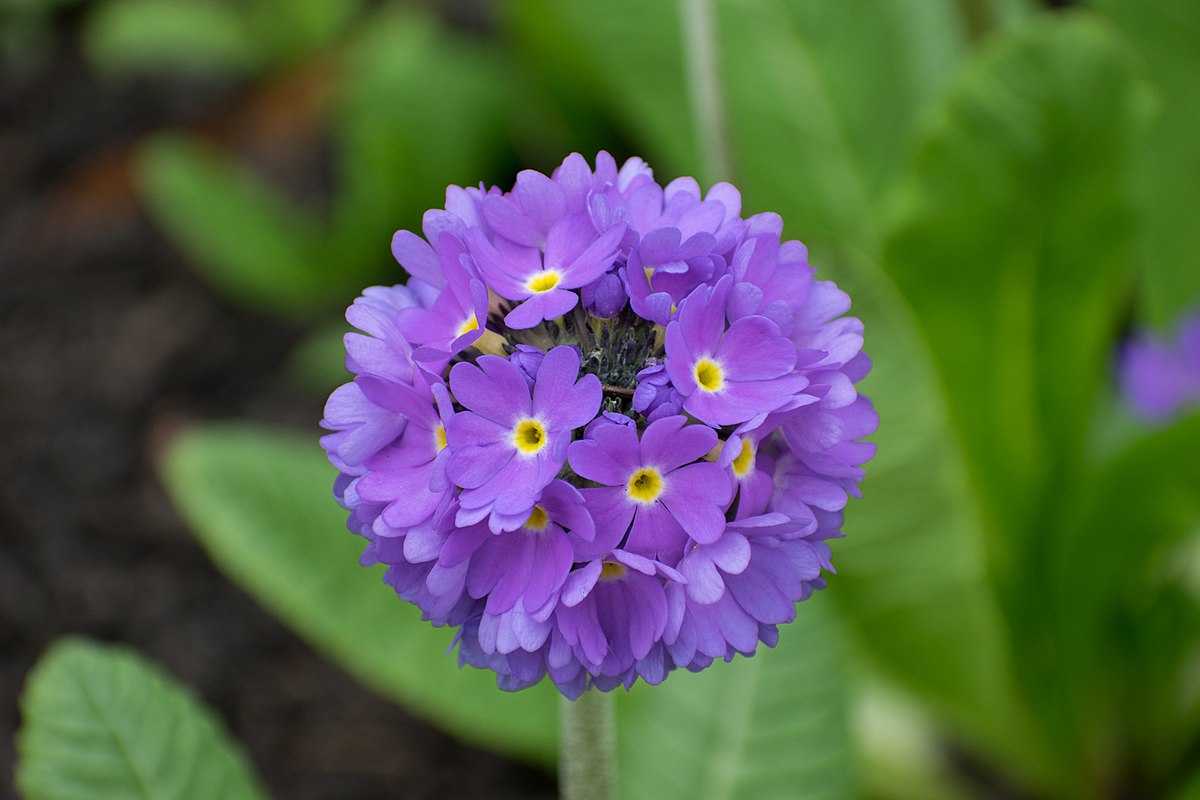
{"type": "Point", "coordinates": [819, 128]}
{"type": "Point", "coordinates": [1012, 247]}
{"type": "Point", "coordinates": [1166, 33]}
{"type": "Point", "coordinates": [816, 127]}
{"type": "Point", "coordinates": [772, 726]}
{"type": "Point", "coordinates": [241, 234]}
{"type": "Point", "coordinates": [1133, 611]}
{"type": "Point", "coordinates": [100, 721]}
{"type": "Point", "coordinates": [912, 576]}
{"type": "Point", "coordinates": [261, 503]}
{"type": "Point", "coordinates": [144, 36]}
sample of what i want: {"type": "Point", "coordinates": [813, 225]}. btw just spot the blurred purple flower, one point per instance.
{"type": "Point", "coordinates": [1160, 378]}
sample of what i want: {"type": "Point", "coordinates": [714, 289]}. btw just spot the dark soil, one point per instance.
{"type": "Point", "coordinates": [106, 338]}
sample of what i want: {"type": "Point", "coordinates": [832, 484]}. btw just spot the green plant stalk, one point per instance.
{"type": "Point", "coordinates": [708, 113]}
{"type": "Point", "coordinates": [587, 747]}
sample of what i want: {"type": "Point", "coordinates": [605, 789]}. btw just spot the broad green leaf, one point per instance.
{"type": "Point", "coordinates": [145, 36]}
{"type": "Point", "coordinates": [1012, 247]}
{"type": "Point", "coordinates": [1126, 604]}
{"type": "Point", "coordinates": [261, 503]}
{"type": "Point", "coordinates": [772, 726]}
{"type": "Point", "coordinates": [912, 575]}
{"type": "Point", "coordinates": [823, 99]}
{"type": "Point", "coordinates": [815, 124]}
{"type": "Point", "coordinates": [241, 234]}
{"type": "Point", "coordinates": [101, 722]}
{"type": "Point", "coordinates": [1166, 34]}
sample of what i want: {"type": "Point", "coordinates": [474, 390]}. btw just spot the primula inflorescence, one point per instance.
{"type": "Point", "coordinates": [605, 429]}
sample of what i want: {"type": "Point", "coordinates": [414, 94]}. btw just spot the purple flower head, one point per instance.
{"type": "Point", "coordinates": [1160, 378]}
{"type": "Point", "coordinates": [607, 430]}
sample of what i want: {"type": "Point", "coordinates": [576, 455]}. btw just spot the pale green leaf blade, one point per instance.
{"type": "Point", "coordinates": [1012, 248]}
{"type": "Point", "coordinates": [772, 726]}
{"type": "Point", "coordinates": [240, 234]}
{"type": "Point", "coordinates": [261, 503]}
{"type": "Point", "coordinates": [912, 578]}
{"type": "Point", "coordinates": [842, 86]}
{"type": "Point", "coordinates": [101, 722]}
{"type": "Point", "coordinates": [816, 125]}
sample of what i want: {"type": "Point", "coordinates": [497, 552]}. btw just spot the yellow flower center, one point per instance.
{"type": "Point", "coordinates": [709, 376]}
{"type": "Point", "coordinates": [538, 519]}
{"type": "Point", "coordinates": [529, 437]}
{"type": "Point", "coordinates": [544, 281]}
{"type": "Point", "coordinates": [645, 486]}
{"type": "Point", "coordinates": [439, 437]}
{"type": "Point", "coordinates": [610, 571]}
{"type": "Point", "coordinates": [470, 324]}
{"type": "Point", "coordinates": [744, 463]}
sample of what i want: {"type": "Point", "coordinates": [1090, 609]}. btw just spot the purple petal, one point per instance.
{"type": "Point", "coordinates": [492, 388]}
{"type": "Point", "coordinates": [541, 306]}
{"type": "Point", "coordinates": [669, 444]}
{"type": "Point", "coordinates": [753, 350]}
{"type": "Point", "coordinates": [696, 496]}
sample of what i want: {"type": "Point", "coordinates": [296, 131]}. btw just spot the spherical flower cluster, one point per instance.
{"type": "Point", "coordinates": [1160, 377]}
{"type": "Point", "coordinates": [605, 429]}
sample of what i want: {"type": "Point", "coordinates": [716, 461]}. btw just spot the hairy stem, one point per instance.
{"type": "Point", "coordinates": [586, 747]}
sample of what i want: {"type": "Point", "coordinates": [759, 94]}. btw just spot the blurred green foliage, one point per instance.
{"type": "Point", "coordinates": [999, 186]}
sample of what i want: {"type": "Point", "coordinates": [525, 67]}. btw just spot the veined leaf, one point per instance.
{"type": "Point", "coordinates": [772, 726]}
{"type": "Point", "coordinates": [100, 721]}
{"type": "Point", "coordinates": [912, 573]}
{"type": "Point", "coordinates": [1012, 248]}
{"type": "Point", "coordinates": [261, 503]}
{"type": "Point", "coordinates": [816, 125]}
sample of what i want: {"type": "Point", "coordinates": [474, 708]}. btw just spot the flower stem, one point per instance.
{"type": "Point", "coordinates": [708, 113]}
{"type": "Point", "coordinates": [586, 747]}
